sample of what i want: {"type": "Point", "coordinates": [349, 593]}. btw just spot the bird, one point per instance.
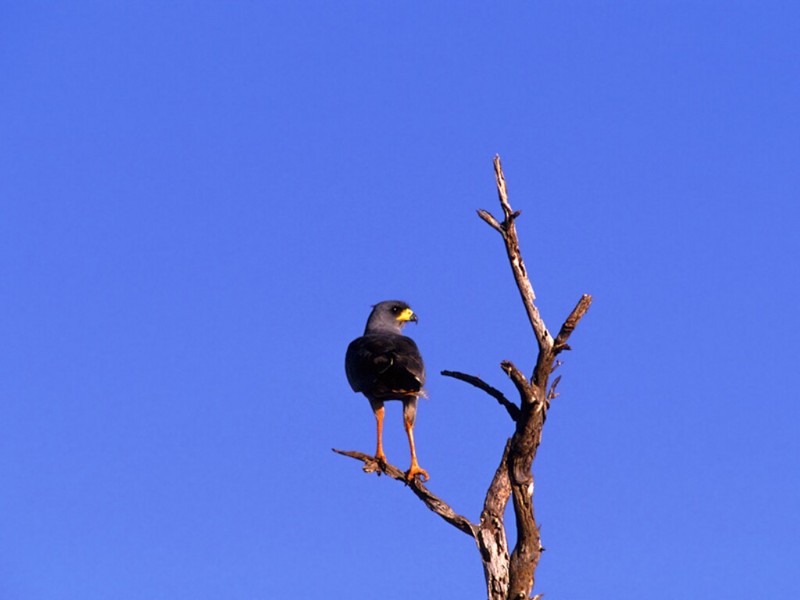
{"type": "Point", "coordinates": [383, 364]}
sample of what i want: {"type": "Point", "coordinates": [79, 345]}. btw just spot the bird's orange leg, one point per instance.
{"type": "Point", "coordinates": [379, 455]}
{"type": "Point", "coordinates": [414, 469]}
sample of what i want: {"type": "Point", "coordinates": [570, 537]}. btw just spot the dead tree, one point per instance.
{"type": "Point", "coordinates": [509, 575]}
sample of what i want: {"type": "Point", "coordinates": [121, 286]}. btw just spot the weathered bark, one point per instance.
{"type": "Point", "coordinates": [431, 500]}
{"type": "Point", "coordinates": [491, 533]}
{"type": "Point", "coordinates": [508, 576]}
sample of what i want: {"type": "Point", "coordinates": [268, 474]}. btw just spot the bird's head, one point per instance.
{"type": "Point", "coordinates": [390, 315]}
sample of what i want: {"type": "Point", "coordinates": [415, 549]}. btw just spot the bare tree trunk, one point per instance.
{"type": "Point", "coordinates": [508, 576]}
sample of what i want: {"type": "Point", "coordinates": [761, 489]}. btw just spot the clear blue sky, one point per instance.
{"type": "Point", "coordinates": [199, 202]}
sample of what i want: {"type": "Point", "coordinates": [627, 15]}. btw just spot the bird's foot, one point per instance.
{"type": "Point", "coordinates": [380, 458]}
{"type": "Point", "coordinates": [415, 470]}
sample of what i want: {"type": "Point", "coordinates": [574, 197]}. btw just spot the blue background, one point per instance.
{"type": "Point", "coordinates": [200, 201]}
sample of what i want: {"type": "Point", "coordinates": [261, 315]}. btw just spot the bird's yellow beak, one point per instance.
{"type": "Point", "coordinates": [406, 315]}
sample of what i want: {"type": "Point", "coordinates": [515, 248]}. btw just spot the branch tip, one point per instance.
{"type": "Point", "coordinates": [491, 221]}
{"type": "Point", "coordinates": [519, 380]}
{"type": "Point", "coordinates": [560, 343]}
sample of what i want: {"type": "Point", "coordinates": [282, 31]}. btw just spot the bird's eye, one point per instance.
{"type": "Point", "coordinates": [395, 309]}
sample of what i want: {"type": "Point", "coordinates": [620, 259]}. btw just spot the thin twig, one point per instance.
{"type": "Point", "coordinates": [513, 409]}
{"type": "Point", "coordinates": [552, 394]}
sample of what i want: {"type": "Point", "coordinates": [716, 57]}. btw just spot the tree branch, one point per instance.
{"type": "Point", "coordinates": [513, 409]}
{"type": "Point", "coordinates": [508, 231]}
{"type": "Point", "coordinates": [491, 534]}
{"type": "Point", "coordinates": [569, 325]}
{"type": "Point", "coordinates": [487, 216]}
{"type": "Point", "coordinates": [431, 500]}
{"type": "Point", "coordinates": [526, 392]}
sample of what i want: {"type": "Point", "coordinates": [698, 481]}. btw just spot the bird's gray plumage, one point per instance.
{"type": "Point", "coordinates": [383, 364]}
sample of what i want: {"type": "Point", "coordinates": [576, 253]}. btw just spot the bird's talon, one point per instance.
{"type": "Point", "coordinates": [417, 470]}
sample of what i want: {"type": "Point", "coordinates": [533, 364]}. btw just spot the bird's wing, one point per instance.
{"type": "Point", "coordinates": [380, 364]}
